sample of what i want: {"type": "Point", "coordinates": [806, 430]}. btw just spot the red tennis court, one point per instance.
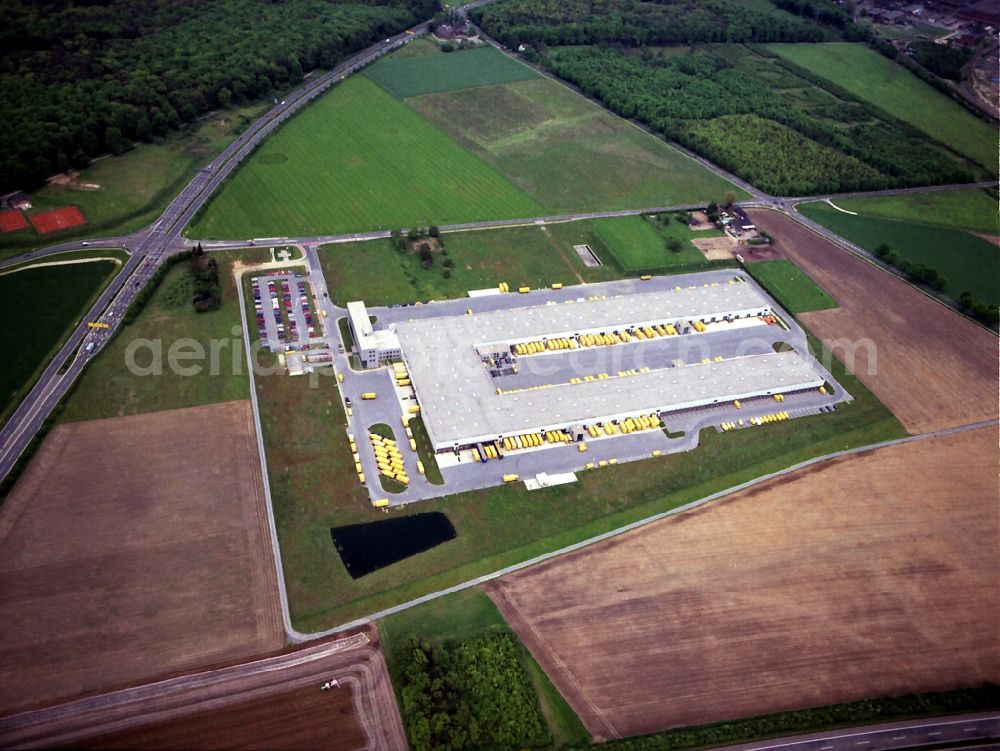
{"type": "Point", "coordinates": [12, 220]}
{"type": "Point", "coordinates": [57, 219]}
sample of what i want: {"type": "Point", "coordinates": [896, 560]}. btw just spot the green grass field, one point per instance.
{"type": "Point", "coordinates": [968, 262]}
{"type": "Point", "coordinates": [107, 388]}
{"type": "Point", "coordinates": [466, 616]}
{"type": "Point", "coordinates": [971, 210]}
{"type": "Point", "coordinates": [358, 159]}
{"type": "Point", "coordinates": [426, 74]}
{"type": "Point", "coordinates": [790, 286]}
{"type": "Point", "coordinates": [45, 304]}
{"type": "Point", "coordinates": [375, 272]}
{"type": "Point", "coordinates": [890, 87]}
{"type": "Point", "coordinates": [640, 243]}
{"type": "Point", "coordinates": [567, 152]}
{"type": "Point", "coordinates": [135, 186]}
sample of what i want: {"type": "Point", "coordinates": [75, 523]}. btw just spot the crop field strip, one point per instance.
{"type": "Point", "coordinates": [112, 576]}
{"type": "Point", "coordinates": [806, 614]}
{"type": "Point", "coordinates": [931, 366]}
{"type": "Point", "coordinates": [412, 76]}
{"type": "Point", "coordinates": [968, 262]}
{"type": "Point", "coordinates": [567, 152]}
{"type": "Point", "coordinates": [793, 289]}
{"type": "Point", "coordinates": [890, 87]}
{"type": "Point", "coordinates": [358, 159]}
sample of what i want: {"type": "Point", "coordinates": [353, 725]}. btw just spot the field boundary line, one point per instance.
{"type": "Point", "coordinates": [299, 636]}
{"type": "Point", "coordinates": [827, 234]}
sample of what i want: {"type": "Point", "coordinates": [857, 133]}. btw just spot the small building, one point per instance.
{"type": "Point", "coordinates": [16, 200]}
{"type": "Point", "coordinates": [373, 347]}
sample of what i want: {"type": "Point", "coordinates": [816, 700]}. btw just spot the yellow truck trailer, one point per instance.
{"type": "Point", "coordinates": [510, 478]}
{"type": "Point", "coordinates": [381, 503]}
{"type": "Point", "coordinates": [369, 396]}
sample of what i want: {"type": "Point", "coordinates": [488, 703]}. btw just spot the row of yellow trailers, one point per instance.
{"type": "Point", "coordinates": [388, 459]}
{"type": "Point", "coordinates": [626, 426]}
{"type": "Point", "coordinates": [402, 376]}
{"type": "Point", "coordinates": [763, 420]}
{"type": "Point", "coordinates": [601, 339]}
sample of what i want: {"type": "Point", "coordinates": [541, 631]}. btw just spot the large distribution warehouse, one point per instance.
{"type": "Point", "coordinates": [453, 362]}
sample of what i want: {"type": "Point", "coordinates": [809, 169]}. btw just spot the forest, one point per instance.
{"type": "Point", "coordinates": [468, 695]}
{"type": "Point", "coordinates": [85, 78]}
{"type": "Point", "coordinates": [744, 122]}
{"type": "Point", "coordinates": [635, 22]}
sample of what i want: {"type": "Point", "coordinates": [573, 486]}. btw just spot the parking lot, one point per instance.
{"type": "Point", "coordinates": [284, 311]}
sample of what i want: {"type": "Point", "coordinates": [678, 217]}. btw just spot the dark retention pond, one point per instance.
{"type": "Point", "coordinates": [368, 547]}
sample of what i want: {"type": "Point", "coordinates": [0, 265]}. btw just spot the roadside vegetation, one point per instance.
{"type": "Point", "coordinates": [81, 80]}
{"type": "Point", "coordinates": [358, 159]}
{"type": "Point", "coordinates": [852, 714]}
{"type": "Point", "coordinates": [107, 388]}
{"type": "Point", "coordinates": [790, 286]}
{"type": "Point", "coordinates": [961, 261]}
{"type": "Point", "coordinates": [47, 302]}
{"type": "Point", "coordinates": [495, 694]}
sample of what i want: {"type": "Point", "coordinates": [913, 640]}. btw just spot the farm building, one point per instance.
{"type": "Point", "coordinates": [455, 362]}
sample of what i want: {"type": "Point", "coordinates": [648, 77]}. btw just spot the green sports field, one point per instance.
{"type": "Point", "coordinates": [567, 152]}
{"type": "Point", "coordinates": [426, 74]}
{"type": "Point", "coordinates": [790, 286]}
{"type": "Point", "coordinates": [358, 159]}
{"type": "Point", "coordinates": [890, 87]}
{"type": "Point", "coordinates": [44, 304]}
{"type": "Point", "coordinates": [968, 262]}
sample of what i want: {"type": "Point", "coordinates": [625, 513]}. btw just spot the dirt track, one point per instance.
{"type": "Point", "coordinates": [867, 576]}
{"type": "Point", "coordinates": [933, 368]}
{"type": "Point", "coordinates": [270, 703]}
{"type": "Point", "coordinates": [134, 548]}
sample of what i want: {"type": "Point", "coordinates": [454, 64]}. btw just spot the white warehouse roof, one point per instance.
{"type": "Point", "coordinates": [459, 400]}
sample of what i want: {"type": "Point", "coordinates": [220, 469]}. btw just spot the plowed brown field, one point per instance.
{"type": "Point", "coordinates": [133, 548]}
{"type": "Point", "coordinates": [866, 576]}
{"type": "Point", "coordinates": [932, 367]}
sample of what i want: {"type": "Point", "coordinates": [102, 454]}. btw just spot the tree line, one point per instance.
{"type": "Point", "coordinates": [704, 102]}
{"type": "Point", "coordinates": [468, 695]}
{"type": "Point", "coordinates": [636, 22]}
{"type": "Point", "coordinates": [82, 79]}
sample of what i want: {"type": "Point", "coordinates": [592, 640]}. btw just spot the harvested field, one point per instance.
{"type": "Point", "coordinates": [866, 576]}
{"type": "Point", "coordinates": [133, 548]}
{"type": "Point", "coordinates": [716, 248]}
{"type": "Point", "coordinates": [12, 220]}
{"type": "Point", "coordinates": [932, 367]}
{"type": "Point", "coordinates": [57, 219]}
{"type": "Point", "coordinates": [273, 703]}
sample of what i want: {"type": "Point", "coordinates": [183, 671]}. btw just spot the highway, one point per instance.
{"type": "Point", "coordinates": [149, 248]}
{"type": "Point", "coordinates": [941, 732]}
